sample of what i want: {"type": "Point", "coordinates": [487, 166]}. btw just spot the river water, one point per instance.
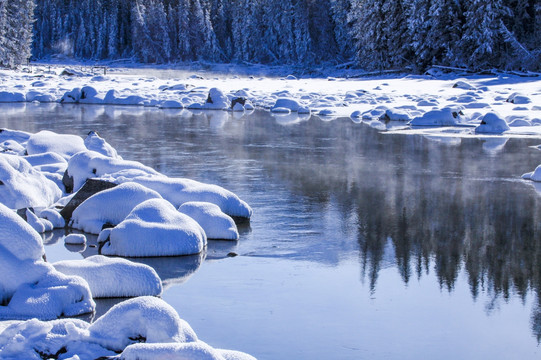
{"type": "Point", "coordinates": [363, 245]}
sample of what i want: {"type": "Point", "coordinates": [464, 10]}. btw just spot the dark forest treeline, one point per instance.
{"type": "Point", "coordinates": [380, 34]}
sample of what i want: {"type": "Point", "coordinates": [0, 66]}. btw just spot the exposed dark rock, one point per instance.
{"type": "Point", "coordinates": [22, 212]}
{"type": "Point", "coordinates": [91, 187]}
{"type": "Point", "coordinates": [68, 182]}
{"type": "Point", "coordinates": [236, 100]}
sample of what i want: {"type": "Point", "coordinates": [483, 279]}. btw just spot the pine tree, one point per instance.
{"type": "Point", "coordinates": [16, 19]}
{"type": "Point", "coordinates": [483, 43]}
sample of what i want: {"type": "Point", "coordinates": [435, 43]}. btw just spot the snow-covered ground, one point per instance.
{"type": "Point", "coordinates": [427, 100]}
{"type": "Point", "coordinates": [139, 212]}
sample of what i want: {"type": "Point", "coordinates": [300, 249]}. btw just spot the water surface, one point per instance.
{"type": "Point", "coordinates": [363, 245]}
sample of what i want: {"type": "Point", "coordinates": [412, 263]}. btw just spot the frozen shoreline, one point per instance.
{"type": "Point", "coordinates": [376, 100]}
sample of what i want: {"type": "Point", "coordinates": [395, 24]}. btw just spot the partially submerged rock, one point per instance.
{"type": "Point", "coordinates": [155, 228]}
{"type": "Point", "coordinates": [113, 277]}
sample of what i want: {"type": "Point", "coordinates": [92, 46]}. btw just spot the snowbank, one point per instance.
{"type": "Point", "coordinates": [109, 206]}
{"type": "Point", "coordinates": [155, 228]}
{"type": "Point", "coordinates": [216, 224]}
{"type": "Point", "coordinates": [113, 277]}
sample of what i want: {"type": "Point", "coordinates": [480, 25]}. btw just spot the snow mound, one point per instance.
{"type": "Point", "coordinates": [534, 175]}
{"type": "Point", "coordinates": [179, 191]}
{"type": "Point", "coordinates": [155, 228]}
{"type": "Point", "coordinates": [76, 239]}
{"type": "Point", "coordinates": [463, 85]}
{"type": "Point", "coordinates": [448, 116]}
{"type": "Point", "coordinates": [46, 158]}
{"type": "Point", "coordinates": [40, 225]}
{"type": "Point", "coordinates": [216, 224]}
{"type": "Point", "coordinates": [30, 287]}
{"type": "Point", "coordinates": [51, 296]}
{"type": "Point", "coordinates": [492, 123]}
{"type": "Point", "coordinates": [90, 164]}
{"type": "Point", "coordinates": [22, 186]}
{"type": "Point", "coordinates": [94, 142]}
{"type": "Point", "coordinates": [285, 103]}
{"type": "Point", "coordinates": [395, 115]}
{"type": "Point", "coordinates": [18, 238]}
{"type": "Point", "coordinates": [110, 206]}
{"type": "Point", "coordinates": [197, 350]}
{"type": "Point", "coordinates": [8, 96]}
{"type": "Point", "coordinates": [216, 100]}
{"type": "Point", "coordinates": [113, 277]}
{"type": "Point", "coordinates": [143, 319]}
{"type": "Point", "coordinates": [15, 135]}
{"type": "Point", "coordinates": [48, 141]}
{"type": "Point", "coordinates": [518, 99]}
{"type": "Point", "coordinates": [112, 98]}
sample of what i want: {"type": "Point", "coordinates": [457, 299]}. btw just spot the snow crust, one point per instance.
{"type": "Point", "coordinates": [113, 277]}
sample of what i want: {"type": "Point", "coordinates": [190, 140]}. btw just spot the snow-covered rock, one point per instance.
{"type": "Point", "coordinates": [492, 123]}
{"type": "Point", "coordinates": [144, 318]}
{"type": "Point", "coordinates": [113, 277]}
{"type": "Point", "coordinates": [40, 225]}
{"type": "Point", "coordinates": [9, 96]}
{"type": "Point", "coordinates": [395, 115]}
{"type": "Point", "coordinates": [22, 186]}
{"type": "Point", "coordinates": [113, 98]}
{"type": "Point", "coordinates": [216, 224]}
{"type": "Point", "coordinates": [179, 191]}
{"type": "Point", "coordinates": [110, 206]}
{"type": "Point", "coordinates": [30, 287]}
{"type": "Point", "coordinates": [216, 100]}
{"type": "Point", "coordinates": [460, 84]}
{"type": "Point", "coordinates": [48, 141]}
{"type": "Point", "coordinates": [90, 164]}
{"type": "Point", "coordinates": [197, 350]}
{"type": "Point", "coordinates": [75, 239]}
{"type": "Point", "coordinates": [447, 116]}
{"type": "Point", "coordinates": [155, 228]}
{"type": "Point", "coordinates": [534, 175]}
{"type": "Point", "coordinates": [518, 99]}
{"type": "Point", "coordinates": [286, 103]}
{"type": "Point", "coordinates": [140, 328]}
{"type": "Point", "coordinates": [94, 142]}
{"type": "Point", "coordinates": [89, 95]}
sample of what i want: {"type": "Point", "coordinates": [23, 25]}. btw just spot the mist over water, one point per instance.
{"type": "Point", "coordinates": [362, 244]}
